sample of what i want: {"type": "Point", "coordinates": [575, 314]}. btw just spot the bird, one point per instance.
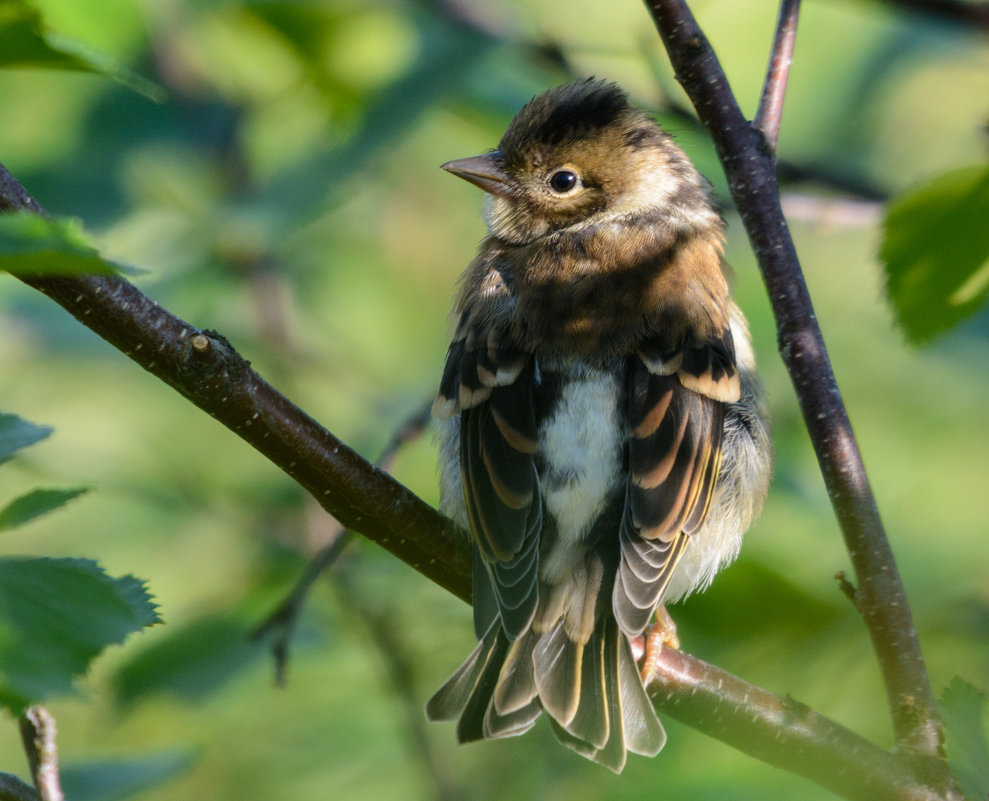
{"type": "Point", "coordinates": [603, 433]}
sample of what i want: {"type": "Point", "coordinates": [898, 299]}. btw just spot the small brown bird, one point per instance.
{"type": "Point", "coordinates": [604, 436]}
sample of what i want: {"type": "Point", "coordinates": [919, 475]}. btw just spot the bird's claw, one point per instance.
{"type": "Point", "coordinates": [662, 633]}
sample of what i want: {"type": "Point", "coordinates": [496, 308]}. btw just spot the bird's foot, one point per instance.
{"type": "Point", "coordinates": [662, 633]}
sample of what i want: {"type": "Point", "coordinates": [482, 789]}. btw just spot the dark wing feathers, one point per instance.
{"type": "Point", "coordinates": [675, 393]}
{"type": "Point", "coordinates": [675, 438]}
{"type": "Point", "coordinates": [709, 367]}
{"type": "Point", "coordinates": [483, 600]}
{"type": "Point", "coordinates": [490, 383]}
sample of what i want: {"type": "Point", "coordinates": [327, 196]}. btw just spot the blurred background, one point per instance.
{"type": "Point", "coordinates": [286, 193]}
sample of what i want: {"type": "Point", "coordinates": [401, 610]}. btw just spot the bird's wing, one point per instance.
{"type": "Point", "coordinates": [675, 413]}
{"type": "Point", "coordinates": [490, 383]}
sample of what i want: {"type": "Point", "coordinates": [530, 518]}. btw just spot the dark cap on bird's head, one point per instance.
{"type": "Point", "coordinates": [568, 114]}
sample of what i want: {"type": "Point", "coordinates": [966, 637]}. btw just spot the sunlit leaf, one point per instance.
{"type": "Point", "coordinates": [16, 433]}
{"type": "Point", "coordinates": [936, 250]}
{"type": "Point", "coordinates": [35, 504]}
{"type": "Point", "coordinates": [964, 711]}
{"type": "Point", "coordinates": [25, 42]}
{"type": "Point", "coordinates": [35, 245]}
{"type": "Point", "coordinates": [56, 616]}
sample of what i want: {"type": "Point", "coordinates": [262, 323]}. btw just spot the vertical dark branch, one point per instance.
{"type": "Point", "coordinates": [748, 165]}
{"type": "Point", "coordinates": [767, 118]}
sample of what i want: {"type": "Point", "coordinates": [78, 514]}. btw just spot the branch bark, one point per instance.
{"type": "Point", "coordinates": [748, 163]}
{"type": "Point", "coordinates": [770, 113]}
{"type": "Point", "coordinates": [205, 368]}
{"type": "Point", "coordinates": [787, 734]}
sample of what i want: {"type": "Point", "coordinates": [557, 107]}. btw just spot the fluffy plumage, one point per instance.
{"type": "Point", "coordinates": [603, 433]}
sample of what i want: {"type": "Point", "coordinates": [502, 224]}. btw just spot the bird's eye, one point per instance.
{"type": "Point", "coordinates": [563, 181]}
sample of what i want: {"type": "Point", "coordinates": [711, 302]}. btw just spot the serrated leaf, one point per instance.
{"type": "Point", "coordinates": [25, 42]}
{"type": "Point", "coordinates": [56, 616]}
{"type": "Point", "coordinates": [17, 433]}
{"type": "Point", "coordinates": [190, 662]}
{"type": "Point", "coordinates": [936, 251]}
{"type": "Point", "coordinates": [114, 781]}
{"type": "Point", "coordinates": [35, 245]}
{"type": "Point", "coordinates": [35, 504]}
{"type": "Point", "coordinates": [964, 710]}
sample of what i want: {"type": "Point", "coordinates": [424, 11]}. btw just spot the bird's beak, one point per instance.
{"type": "Point", "coordinates": [484, 171]}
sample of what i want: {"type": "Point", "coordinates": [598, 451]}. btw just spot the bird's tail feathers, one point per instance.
{"type": "Point", "coordinates": [503, 685]}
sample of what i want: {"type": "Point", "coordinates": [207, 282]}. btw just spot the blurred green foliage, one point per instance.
{"type": "Point", "coordinates": [286, 193]}
{"type": "Point", "coordinates": [936, 250]}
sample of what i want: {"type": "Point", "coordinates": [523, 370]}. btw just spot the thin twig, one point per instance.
{"type": "Point", "coordinates": [767, 118]}
{"type": "Point", "coordinates": [38, 732]}
{"type": "Point", "coordinates": [846, 587]}
{"type": "Point", "coordinates": [751, 177]}
{"type": "Point", "coordinates": [284, 618]}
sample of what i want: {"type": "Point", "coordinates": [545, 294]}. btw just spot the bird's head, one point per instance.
{"type": "Point", "coordinates": [582, 154]}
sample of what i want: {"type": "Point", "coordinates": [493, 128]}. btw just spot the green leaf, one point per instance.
{"type": "Point", "coordinates": [36, 503]}
{"type": "Point", "coordinates": [113, 781]}
{"type": "Point", "coordinates": [35, 245]}
{"type": "Point", "coordinates": [16, 433]}
{"type": "Point", "coordinates": [24, 42]}
{"type": "Point", "coordinates": [963, 709]}
{"type": "Point", "coordinates": [190, 662]}
{"type": "Point", "coordinates": [936, 251]}
{"type": "Point", "coordinates": [56, 616]}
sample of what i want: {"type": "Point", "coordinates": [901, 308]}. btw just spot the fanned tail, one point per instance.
{"type": "Point", "coordinates": [592, 693]}
{"type": "Point", "coordinates": [492, 693]}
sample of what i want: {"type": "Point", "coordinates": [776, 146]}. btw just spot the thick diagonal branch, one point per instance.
{"type": "Point", "coordinates": [748, 164]}
{"type": "Point", "coordinates": [783, 732]}
{"type": "Point", "coordinates": [205, 368]}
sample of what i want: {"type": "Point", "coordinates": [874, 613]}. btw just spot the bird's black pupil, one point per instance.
{"type": "Point", "coordinates": [563, 181]}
